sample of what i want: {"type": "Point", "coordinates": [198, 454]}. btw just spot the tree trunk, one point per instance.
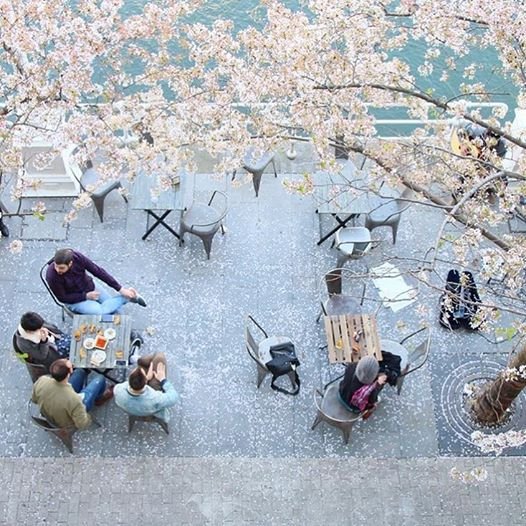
{"type": "Point", "coordinates": [496, 397]}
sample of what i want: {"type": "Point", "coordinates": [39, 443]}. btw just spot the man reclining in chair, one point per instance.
{"type": "Point", "coordinates": [68, 278]}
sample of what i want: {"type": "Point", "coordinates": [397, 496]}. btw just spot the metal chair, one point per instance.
{"type": "Point", "coordinates": [353, 243]}
{"type": "Point", "coordinates": [336, 303]}
{"type": "Point", "coordinates": [204, 220]}
{"type": "Point", "coordinates": [258, 348]}
{"type": "Point", "coordinates": [417, 356]}
{"type": "Point", "coordinates": [35, 370]}
{"type": "Point", "coordinates": [90, 178]}
{"type": "Point", "coordinates": [65, 308]}
{"type": "Point", "coordinates": [152, 419]}
{"type": "Point", "coordinates": [256, 168]}
{"type": "Point", "coordinates": [331, 410]}
{"type": "Point", "coordinates": [389, 213]}
{"type": "Point", "coordinates": [64, 434]}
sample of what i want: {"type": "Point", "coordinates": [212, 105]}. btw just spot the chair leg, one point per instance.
{"type": "Point", "coordinates": [317, 420]}
{"type": "Point", "coordinates": [274, 166]}
{"type": "Point", "coordinates": [131, 422]}
{"type": "Point", "coordinates": [234, 174]}
{"type": "Point", "coordinates": [66, 437]}
{"type": "Point", "coordinates": [164, 425]}
{"type": "Point", "coordinates": [394, 228]}
{"type": "Point", "coordinates": [346, 430]}
{"type": "Point", "coordinates": [99, 206]}
{"type": "Point", "coordinates": [256, 180]}
{"type": "Point", "coordinates": [261, 376]}
{"type": "Point", "coordinates": [207, 242]}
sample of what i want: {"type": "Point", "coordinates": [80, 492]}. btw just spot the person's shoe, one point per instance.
{"type": "Point", "coordinates": [4, 230]}
{"type": "Point", "coordinates": [136, 338]}
{"type": "Point", "coordinates": [107, 395]}
{"type": "Point", "coordinates": [139, 299]}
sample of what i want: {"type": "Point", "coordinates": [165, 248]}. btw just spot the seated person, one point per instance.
{"type": "Point", "coordinates": [365, 372]}
{"type": "Point", "coordinates": [42, 342]}
{"type": "Point", "coordinates": [64, 400]}
{"type": "Point", "coordinates": [147, 391]}
{"type": "Point", "coordinates": [68, 278]}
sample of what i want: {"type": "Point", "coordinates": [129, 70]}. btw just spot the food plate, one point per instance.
{"type": "Point", "coordinates": [89, 343]}
{"type": "Point", "coordinates": [98, 357]}
{"type": "Point", "coordinates": [101, 342]}
{"type": "Point", "coordinates": [110, 333]}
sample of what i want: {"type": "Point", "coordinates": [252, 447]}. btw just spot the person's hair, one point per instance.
{"type": "Point", "coordinates": [59, 369]}
{"type": "Point", "coordinates": [367, 369]}
{"type": "Point", "coordinates": [31, 321]}
{"type": "Point", "coordinates": [63, 256]}
{"type": "Point", "coordinates": [137, 379]}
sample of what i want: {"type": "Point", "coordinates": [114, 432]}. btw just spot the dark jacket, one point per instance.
{"type": "Point", "coordinates": [350, 384]}
{"type": "Point", "coordinates": [73, 286]}
{"type": "Point", "coordinates": [43, 353]}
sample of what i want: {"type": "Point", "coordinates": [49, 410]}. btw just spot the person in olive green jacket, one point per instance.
{"type": "Point", "coordinates": [64, 400]}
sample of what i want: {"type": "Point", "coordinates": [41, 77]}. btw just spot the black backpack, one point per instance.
{"type": "Point", "coordinates": [459, 301]}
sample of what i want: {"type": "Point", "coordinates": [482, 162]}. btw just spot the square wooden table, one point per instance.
{"type": "Point", "coordinates": [91, 325]}
{"type": "Point", "coordinates": [340, 331]}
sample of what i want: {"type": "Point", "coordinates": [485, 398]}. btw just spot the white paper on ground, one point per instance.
{"type": "Point", "coordinates": [392, 287]}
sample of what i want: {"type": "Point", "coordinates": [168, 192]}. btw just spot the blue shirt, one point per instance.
{"type": "Point", "coordinates": [149, 403]}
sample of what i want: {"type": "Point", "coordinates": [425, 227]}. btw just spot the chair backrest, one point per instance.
{"type": "Point", "coordinates": [251, 340]}
{"type": "Point", "coordinates": [419, 355]}
{"type": "Point", "coordinates": [35, 370]}
{"type": "Point", "coordinates": [219, 202]}
{"type": "Point", "coordinates": [43, 271]}
{"type": "Point", "coordinates": [333, 281]}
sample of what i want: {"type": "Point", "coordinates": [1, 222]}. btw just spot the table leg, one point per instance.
{"type": "Point", "coordinates": [341, 224]}
{"type": "Point", "coordinates": [159, 220]}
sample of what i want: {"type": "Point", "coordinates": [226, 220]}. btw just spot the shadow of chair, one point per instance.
{"type": "Point", "coordinates": [64, 307]}
{"type": "Point", "coordinates": [64, 434]}
{"type": "Point", "coordinates": [335, 302]}
{"type": "Point", "coordinates": [35, 370]}
{"type": "Point", "coordinates": [90, 179]}
{"type": "Point", "coordinates": [389, 213]}
{"type": "Point", "coordinates": [151, 419]}
{"type": "Point", "coordinates": [204, 220]}
{"type": "Point", "coordinates": [353, 243]}
{"type": "Point", "coordinates": [258, 344]}
{"type": "Point", "coordinates": [331, 410]}
{"type": "Point", "coordinates": [256, 168]}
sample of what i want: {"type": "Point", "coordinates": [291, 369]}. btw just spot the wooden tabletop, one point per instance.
{"type": "Point", "coordinates": [341, 344]}
{"type": "Point", "coordinates": [89, 326]}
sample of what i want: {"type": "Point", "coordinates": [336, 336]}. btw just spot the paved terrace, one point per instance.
{"type": "Point", "coordinates": [235, 454]}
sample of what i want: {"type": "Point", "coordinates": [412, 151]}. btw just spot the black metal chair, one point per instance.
{"type": "Point", "coordinates": [35, 370]}
{"type": "Point", "coordinates": [65, 308]}
{"type": "Point", "coordinates": [256, 168]}
{"type": "Point", "coordinates": [152, 419]}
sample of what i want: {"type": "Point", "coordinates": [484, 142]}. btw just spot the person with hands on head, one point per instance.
{"type": "Point", "coordinates": [147, 392]}
{"type": "Point", "coordinates": [68, 278]}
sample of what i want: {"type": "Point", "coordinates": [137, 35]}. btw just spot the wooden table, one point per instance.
{"type": "Point", "coordinates": [148, 196]}
{"type": "Point", "coordinates": [340, 332]}
{"type": "Point", "coordinates": [88, 326]}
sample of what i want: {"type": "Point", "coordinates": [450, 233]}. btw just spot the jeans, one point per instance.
{"type": "Point", "coordinates": [93, 390]}
{"type": "Point", "coordinates": [106, 304]}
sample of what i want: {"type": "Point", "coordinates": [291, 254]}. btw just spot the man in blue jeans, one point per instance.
{"type": "Point", "coordinates": [68, 278]}
{"type": "Point", "coordinates": [64, 400]}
